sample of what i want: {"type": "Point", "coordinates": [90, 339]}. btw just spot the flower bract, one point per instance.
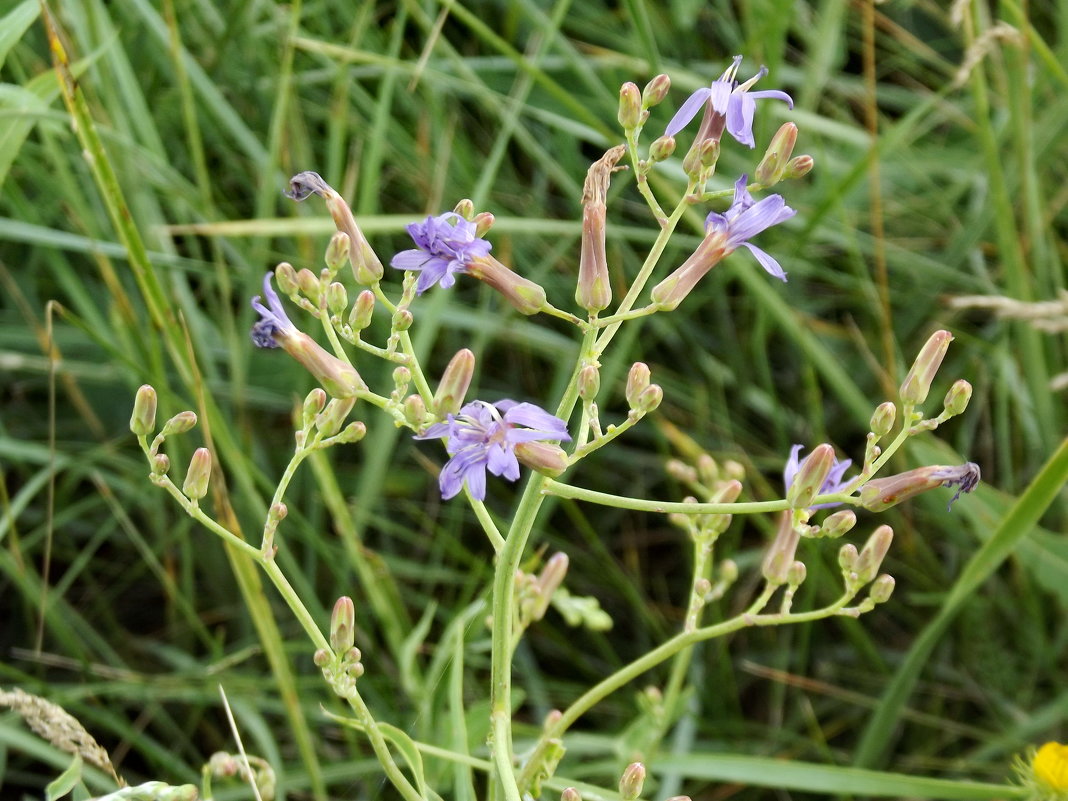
{"type": "Point", "coordinates": [483, 436]}
{"type": "Point", "coordinates": [445, 245]}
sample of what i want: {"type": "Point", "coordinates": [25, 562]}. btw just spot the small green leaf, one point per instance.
{"type": "Point", "coordinates": [66, 781]}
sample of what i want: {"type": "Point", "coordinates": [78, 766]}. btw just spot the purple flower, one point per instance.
{"type": "Point", "coordinates": [445, 245]}
{"type": "Point", "coordinates": [273, 319]}
{"type": "Point", "coordinates": [833, 483]}
{"type": "Point", "coordinates": [746, 218]}
{"type": "Point", "coordinates": [730, 100]}
{"type": "Point", "coordinates": [483, 436]}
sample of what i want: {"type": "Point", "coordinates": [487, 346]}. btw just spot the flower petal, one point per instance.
{"type": "Point", "coordinates": [772, 267]}
{"type": "Point", "coordinates": [687, 111]}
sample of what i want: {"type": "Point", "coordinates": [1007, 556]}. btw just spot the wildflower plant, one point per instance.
{"type": "Point", "coordinates": [478, 439]}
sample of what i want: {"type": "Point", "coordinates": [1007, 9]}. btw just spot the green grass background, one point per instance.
{"type": "Point", "coordinates": [136, 266]}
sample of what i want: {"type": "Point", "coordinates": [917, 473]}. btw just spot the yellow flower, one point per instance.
{"type": "Point", "coordinates": [1050, 765]}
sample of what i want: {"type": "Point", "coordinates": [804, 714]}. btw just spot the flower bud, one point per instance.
{"type": "Point", "coordinates": [465, 208]}
{"type": "Point", "coordinates": [337, 299]}
{"type": "Point", "coordinates": [637, 381]}
{"type": "Point", "coordinates": [780, 556]}
{"type": "Point", "coordinates": [337, 252]}
{"type": "Point", "coordinates": [402, 319]}
{"type": "Point", "coordinates": [286, 277]}
{"type": "Point", "coordinates": [362, 309]}
{"type": "Point", "coordinates": [655, 91]}
{"type": "Point", "coordinates": [365, 264]}
{"type": "Point", "coordinates": [799, 167]}
{"type": "Point", "coordinates": [728, 572]}
{"type": "Point", "coordinates": [795, 576]}
{"type": "Point", "coordinates": [630, 106]}
{"type": "Point", "coordinates": [670, 292]}
{"type": "Point", "coordinates": [882, 588]}
{"type": "Point", "coordinates": [630, 786]}
{"type": "Point", "coordinates": [708, 153]}
{"type": "Point", "coordinates": [839, 523]}
{"type": "Point", "coordinates": [847, 557]}
{"type": "Point", "coordinates": [917, 383]}
{"type": "Point", "coordinates": [882, 420]}
{"type": "Point", "coordinates": [483, 222]}
{"type": "Point", "coordinates": [308, 282]}
{"type": "Point", "coordinates": [649, 398]}
{"type": "Point", "coordinates": [871, 556]}
{"type": "Point", "coordinates": [402, 377]}
{"type": "Point", "coordinates": [526, 296]}
{"type": "Point", "coordinates": [179, 424]}
{"type": "Point", "coordinates": [415, 411]}
{"type": "Point", "coordinates": [455, 381]}
{"type": "Point", "coordinates": [321, 657]}
{"type": "Point", "coordinates": [772, 167]}
{"type": "Point", "coordinates": [957, 398]}
{"type": "Point", "coordinates": [707, 469]}
{"type": "Point", "coordinates": [589, 382]}
{"type": "Point", "coordinates": [662, 148]}
{"type": "Point", "coordinates": [811, 475]}
{"type": "Point", "coordinates": [882, 493]}
{"type": "Point", "coordinates": [330, 419]}
{"type": "Point", "coordinates": [546, 457]}
{"type": "Point", "coordinates": [353, 432]}
{"type": "Point", "coordinates": [143, 418]}
{"type": "Point", "coordinates": [338, 378]}
{"type": "Point", "coordinates": [549, 581]}
{"type": "Point", "coordinates": [313, 404]}
{"type": "Point", "coordinates": [680, 471]}
{"type": "Point", "coordinates": [343, 625]}
{"type": "Point", "coordinates": [161, 463]}
{"type": "Point", "coordinates": [570, 794]}
{"type": "Point", "coordinates": [195, 486]}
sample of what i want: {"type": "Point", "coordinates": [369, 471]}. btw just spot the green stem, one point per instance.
{"type": "Point", "coordinates": [553, 487]}
{"type": "Point", "coordinates": [381, 749]}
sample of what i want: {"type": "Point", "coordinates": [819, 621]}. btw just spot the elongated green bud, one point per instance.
{"type": "Point", "coordinates": [630, 786]}
{"type": "Point", "coordinates": [526, 296]}
{"type": "Point", "coordinates": [483, 222]}
{"type": "Point", "coordinates": [337, 299]}
{"type": "Point", "coordinates": [957, 398]}
{"type": "Point", "coordinates": [650, 399]}
{"type": "Point", "coordinates": [662, 148]}
{"type": "Point", "coordinates": [838, 523]}
{"type": "Point", "coordinates": [655, 91]}
{"type": "Point", "coordinates": [330, 419]}
{"type": "Point", "coordinates": [772, 167]}
{"type": "Point", "coordinates": [630, 106]}
{"type": "Point", "coordinates": [795, 575]}
{"type": "Point", "coordinates": [811, 475]}
{"type": "Point", "coordinates": [143, 418]}
{"type": "Point", "coordinates": [465, 208]}
{"type": "Point", "coordinates": [882, 588]}
{"type": "Point", "coordinates": [847, 557]}
{"type": "Point", "coordinates": [455, 382]}
{"type": "Point", "coordinates": [197, 476]}
{"type": "Point", "coordinates": [337, 252]}
{"type": "Point", "coordinates": [780, 556]}
{"type": "Point", "coordinates": [362, 309]}
{"type": "Point", "coordinates": [179, 424]}
{"type": "Point", "coordinates": [871, 557]}
{"type": "Point", "coordinates": [549, 581]}
{"type": "Point", "coordinates": [343, 625]}
{"type": "Point", "coordinates": [637, 382]}
{"type": "Point", "coordinates": [882, 420]}
{"type": "Point", "coordinates": [799, 167]}
{"type": "Point", "coordinates": [415, 411]}
{"type": "Point", "coordinates": [286, 277]}
{"type": "Point", "coordinates": [314, 403]}
{"type": "Point", "coordinates": [917, 383]}
{"type": "Point", "coordinates": [589, 382]}
{"type": "Point", "coordinates": [309, 285]}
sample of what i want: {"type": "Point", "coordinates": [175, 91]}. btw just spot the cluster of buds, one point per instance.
{"type": "Point", "coordinates": [143, 424]}
{"type": "Point", "coordinates": [642, 396]}
{"type": "Point", "coordinates": [534, 593]}
{"type": "Point", "coordinates": [247, 768]}
{"type": "Point", "coordinates": [326, 416]}
{"type": "Point", "coordinates": [341, 664]}
{"type": "Point", "coordinates": [861, 568]}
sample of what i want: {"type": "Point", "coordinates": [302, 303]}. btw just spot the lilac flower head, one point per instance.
{"type": "Point", "coordinates": [746, 218]}
{"type": "Point", "coordinates": [445, 245]}
{"type": "Point", "coordinates": [833, 483]}
{"type": "Point", "coordinates": [728, 99]}
{"type": "Point", "coordinates": [273, 320]}
{"type": "Point", "coordinates": [483, 436]}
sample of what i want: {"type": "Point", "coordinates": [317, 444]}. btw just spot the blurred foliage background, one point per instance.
{"type": "Point", "coordinates": [938, 134]}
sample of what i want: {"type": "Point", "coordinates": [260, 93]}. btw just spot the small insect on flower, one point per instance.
{"type": "Point", "coordinates": [484, 436]}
